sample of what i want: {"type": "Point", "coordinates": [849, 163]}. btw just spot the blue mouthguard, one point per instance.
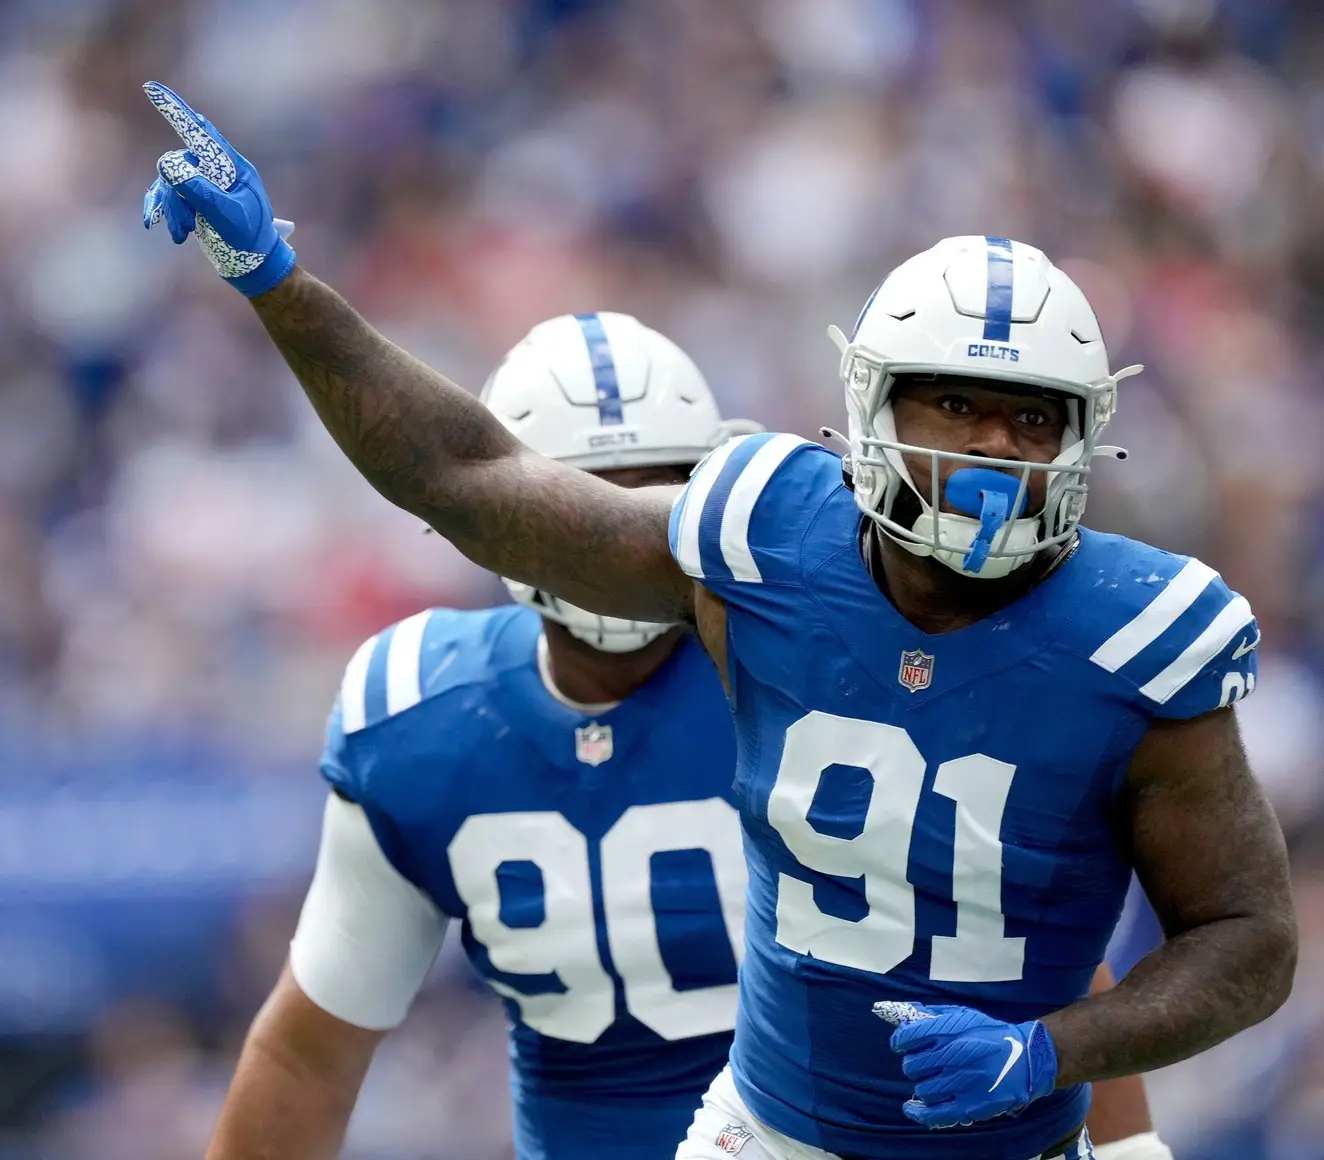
{"type": "Point", "coordinates": [987, 495]}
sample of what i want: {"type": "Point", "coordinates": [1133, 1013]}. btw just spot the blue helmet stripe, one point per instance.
{"type": "Point", "coordinates": [604, 369]}
{"type": "Point", "coordinates": [865, 309]}
{"type": "Point", "coordinates": [997, 307]}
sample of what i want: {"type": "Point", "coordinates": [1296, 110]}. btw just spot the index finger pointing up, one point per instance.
{"type": "Point", "coordinates": [197, 133]}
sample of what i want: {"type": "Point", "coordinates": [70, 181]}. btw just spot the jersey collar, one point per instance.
{"type": "Point", "coordinates": [548, 683]}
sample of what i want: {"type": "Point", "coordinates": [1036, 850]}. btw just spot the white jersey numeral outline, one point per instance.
{"type": "Point", "coordinates": [980, 951]}
{"type": "Point", "coordinates": [565, 942]}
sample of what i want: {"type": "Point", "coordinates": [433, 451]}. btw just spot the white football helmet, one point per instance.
{"type": "Point", "coordinates": [987, 308]}
{"type": "Point", "coordinates": [603, 391]}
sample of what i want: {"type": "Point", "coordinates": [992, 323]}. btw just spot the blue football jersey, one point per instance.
{"type": "Point", "coordinates": [927, 817]}
{"type": "Point", "coordinates": [594, 861]}
{"type": "Point", "coordinates": [1137, 933]}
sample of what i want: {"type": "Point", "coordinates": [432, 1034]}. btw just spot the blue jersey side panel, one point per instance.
{"type": "Point", "coordinates": [609, 916]}
{"type": "Point", "coordinates": [1138, 932]}
{"type": "Point", "coordinates": [927, 817]}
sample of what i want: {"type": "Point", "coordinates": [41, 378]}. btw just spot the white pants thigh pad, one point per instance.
{"type": "Point", "coordinates": [724, 1127]}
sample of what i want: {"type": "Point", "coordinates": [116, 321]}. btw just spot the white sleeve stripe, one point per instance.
{"type": "Point", "coordinates": [1234, 617]}
{"type": "Point", "coordinates": [1157, 617]}
{"type": "Point", "coordinates": [740, 505]}
{"type": "Point", "coordinates": [354, 688]}
{"type": "Point", "coordinates": [402, 663]}
{"type": "Point", "coordinates": [695, 500]}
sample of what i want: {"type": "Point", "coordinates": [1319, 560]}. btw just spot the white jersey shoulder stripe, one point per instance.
{"type": "Point", "coordinates": [1156, 618]}
{"type": "Point", "coordinates": [744, 495]}
{"type": "Point", "coordinates": [695, 498]}
{"type": "Point", "coordinates": [402, 663]}
{"type": "Point", "coordinates": [354, 688]}
{"type": "Point", "coordinates": [1233, 618]}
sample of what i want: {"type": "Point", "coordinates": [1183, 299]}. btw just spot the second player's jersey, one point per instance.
{"type": "Point", "coordinates": [593, 859]}
{"type": "Point", "coordinates": [927, 817]}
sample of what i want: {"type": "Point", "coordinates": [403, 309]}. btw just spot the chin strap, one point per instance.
{"type": "Point", "coordinates": [991, 518]}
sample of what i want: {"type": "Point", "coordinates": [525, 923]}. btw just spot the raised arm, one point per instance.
{"type": "Point", "coordinates": [424, 443]}
{"type": "Point", "coordinates": [432, 448]}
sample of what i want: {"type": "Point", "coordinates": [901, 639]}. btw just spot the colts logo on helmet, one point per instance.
{"type": "Point", "coordinates": [993, 350]}
{"type": "Point", "coordinates": [916, 670]}
{"type": "Point", "coordinates": [613, 439]}
{"type": "Point", "coordinates": [593, 744]}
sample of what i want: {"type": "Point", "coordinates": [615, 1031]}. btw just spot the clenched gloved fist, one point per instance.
{"type": "Point", "coordinates": [966, 1065]}
{"type": "Point", "coordinates": [211, 190]}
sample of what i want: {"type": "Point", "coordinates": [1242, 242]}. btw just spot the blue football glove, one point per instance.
{"type": "Point", "coordinates": [209, 189]}
{"type": "Point", "coordinates": [967, 1066]}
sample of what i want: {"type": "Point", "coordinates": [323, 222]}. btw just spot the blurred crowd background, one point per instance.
{"type": "Point", "coordinates": [186, 562]}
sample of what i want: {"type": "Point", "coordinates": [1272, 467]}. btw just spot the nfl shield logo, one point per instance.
{"type": "Point", "coordinates": [916, 670]}
{"type": "Point", "coordinates": [733, 1137]}
{"type": "Point", "coordinates": [593, 744]}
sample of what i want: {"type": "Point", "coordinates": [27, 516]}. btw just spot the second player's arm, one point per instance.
{"type": "Point", "coordinates": [365, 940]}
{"type": "Point", "coordinates": [1210, 854]}
{"type": "Point", "coordinates": [296, 1083]}
{"type": "Point", "coordinates": [432, 448]}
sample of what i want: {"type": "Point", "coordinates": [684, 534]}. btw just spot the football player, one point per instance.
{"type": "Point", "coordinates": [556, 783]}
{"type": "Point", "coordinates": [599, 845]}
{"type": "Point", "coordinates": [961, 718]}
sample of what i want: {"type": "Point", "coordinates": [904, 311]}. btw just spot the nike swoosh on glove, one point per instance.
{"type": "Point", "coordinates": [967, 1066]}
{"type": "Point", "coordinates": [211, 190]}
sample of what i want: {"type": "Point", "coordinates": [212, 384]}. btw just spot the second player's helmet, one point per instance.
{"type": "Point", "coordinates": [603, 391]}
{"type": "Point", "coordinates": [986, 308]}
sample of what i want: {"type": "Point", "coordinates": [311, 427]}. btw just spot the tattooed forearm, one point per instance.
{"type": "Point", "coordinates": [1211, 857]}
{"type": "Point", "coordinates": [432, 448]}
{"type": "Point", "coordinates": [382, 405]}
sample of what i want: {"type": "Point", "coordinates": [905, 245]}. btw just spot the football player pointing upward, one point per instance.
{"type": "Point", "coordinates": [482, 764]}
{"type": "Point", "coordinates": [961, 719]}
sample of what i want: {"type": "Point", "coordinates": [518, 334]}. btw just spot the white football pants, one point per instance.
{"type": "Point", "coordinates": [723, 1127]}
